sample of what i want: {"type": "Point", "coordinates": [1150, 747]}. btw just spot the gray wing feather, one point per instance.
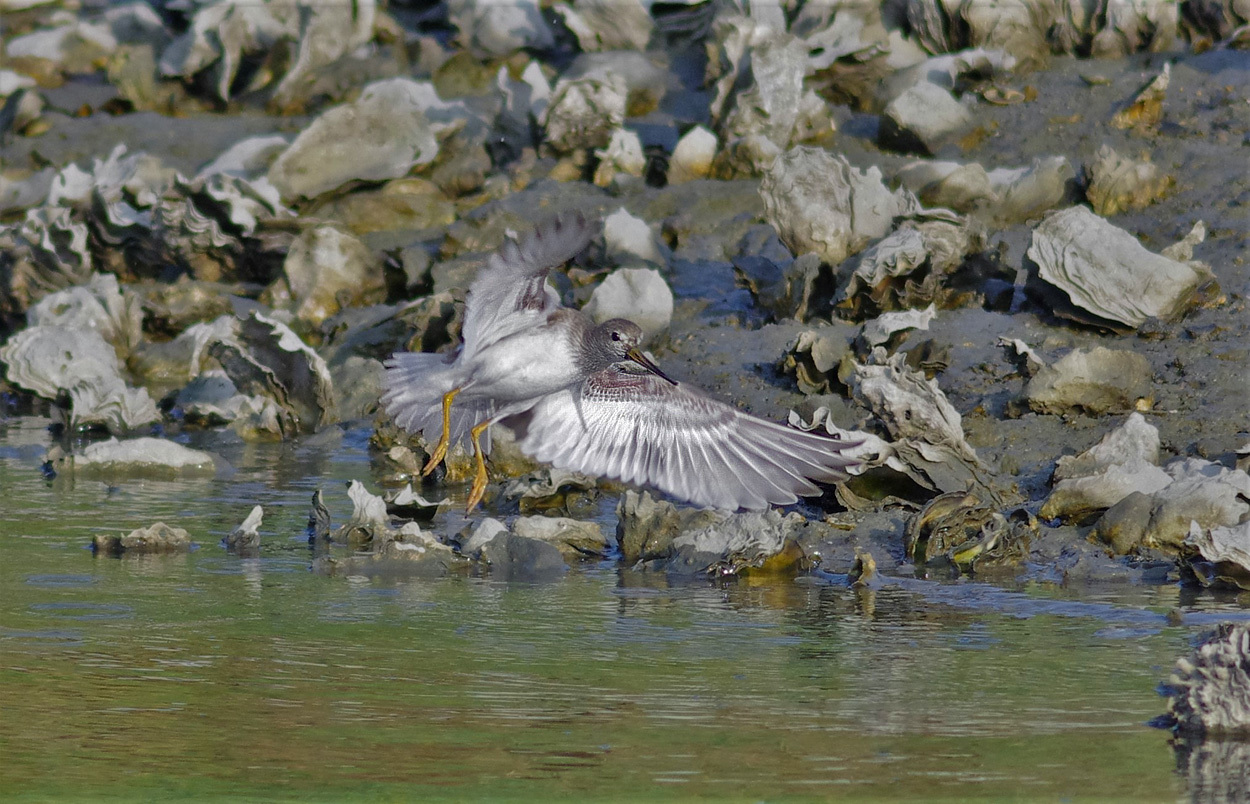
{"type": "Point", "coordinates": [642, 430]}
{"type": "Point", "coordinates": [511, 293]}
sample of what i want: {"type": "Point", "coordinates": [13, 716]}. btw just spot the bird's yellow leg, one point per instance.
{"type": "Point", "coordinates": [440, 450]}
{"type": "Point", "coordinates": [478, 489]}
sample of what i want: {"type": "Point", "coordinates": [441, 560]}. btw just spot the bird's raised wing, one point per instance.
{"type": "Point", "coordinates": [643, 430]}
{"type": "Point", "coordinates": [511, 293]}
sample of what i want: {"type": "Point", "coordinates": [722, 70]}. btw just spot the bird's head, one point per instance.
{"type": "Point", "coordinates": [617, 341]}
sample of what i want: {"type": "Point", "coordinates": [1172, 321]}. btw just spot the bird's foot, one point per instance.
{"type": "Point", "coordinates": [440, 449]}
{"type": "Point", "coordinates": [478, 489]}
{"type": "Point", "coordinates": [437, 456]}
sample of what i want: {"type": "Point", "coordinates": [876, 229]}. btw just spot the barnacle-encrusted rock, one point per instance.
{"type": "Point", "coordinates": [1118, 184]}
{"type": "Point", "coordinates": [381, 135]}
{"type": "Point", "coordinates": [50, 360]}
{"type": "Point", "coordinates": [1209, 692]}
{"type": "Point", "coordinates": [585, 111]}
{"type": "Point", "coordinates": [818, 203]}
{"type": "Point", "coordinates": [910, 267]}
{"type": "Point", "coordinates": [327, 269]}
{"type": "Point", "coordinates": [1097, 381]}
{"type": "Point", "coordinates": [1122, 462]}
{"type": "Point", "coordinates": [157, 538]}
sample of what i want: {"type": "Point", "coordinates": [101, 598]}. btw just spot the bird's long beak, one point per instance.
{"type": "Point", "coordinates": [647, 363]}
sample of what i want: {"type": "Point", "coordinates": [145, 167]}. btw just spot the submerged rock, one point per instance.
{"type": "Point", "coordinates": [134, 457]}
{"type": "Point", "coordinates": [157, 538]}
{"type": "Point", "coordinates": [245, 539]}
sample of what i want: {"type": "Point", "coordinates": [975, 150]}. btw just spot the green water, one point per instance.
{"type": "Point", "coordinates": [212, 676]}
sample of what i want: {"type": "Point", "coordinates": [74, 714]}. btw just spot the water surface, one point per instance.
{"type": "Point", "coordinates": [209, 675]}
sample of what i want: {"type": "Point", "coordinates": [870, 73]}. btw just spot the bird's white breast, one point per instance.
{"type": "Point", "coordinates": [527, 365]}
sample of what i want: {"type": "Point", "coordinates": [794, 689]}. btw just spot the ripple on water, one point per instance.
{"type": "Point", "coordinates": [85, 611]}
{"type": "Point", "coordinates": [53, 581]}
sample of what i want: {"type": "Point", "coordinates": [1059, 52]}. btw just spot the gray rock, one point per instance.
{"type": "Point", "coordinates": [639, 294]}
{"type": "Point", "coordinates": [497, 28]}
{"type": "Point", "coordinates": [1107, 273]}
{"type": "Point", "coordinates": [923, 119]}
{"type": "Point", "coordinates": [1097, 381]}
{"type": "Point", "coordinates": [1223, 554]}
{"type": "Point", "coordinates": [155, 539]}
{"type": "Point", "coordinates": [575, 539]}
{"type": "Point", "coordinates": [381, 135]}
{"type": "Point", "coordinates": [608, 24]}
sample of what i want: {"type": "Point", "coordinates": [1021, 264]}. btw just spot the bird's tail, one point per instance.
{"type": "Point", "coordinates": [413, 388]}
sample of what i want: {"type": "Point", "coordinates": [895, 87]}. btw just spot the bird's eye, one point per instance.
{"type": "Point", "coordinates": [616, 336]}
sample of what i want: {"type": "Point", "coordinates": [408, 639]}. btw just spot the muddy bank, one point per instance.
{"type": "Point", "coordinates": [980, 253]}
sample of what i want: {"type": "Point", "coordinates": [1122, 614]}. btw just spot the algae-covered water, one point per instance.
{"type": "Point", "coordinates": [209, 675]}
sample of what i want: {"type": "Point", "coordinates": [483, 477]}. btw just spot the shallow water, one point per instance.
{"type": "Point", "coordinates": [210, 675]}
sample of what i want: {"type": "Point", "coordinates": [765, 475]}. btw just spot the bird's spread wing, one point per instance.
{"type": "Point", "coordinates": [643, 430]}
{"type": "Point", "coordinates": [511, 293]}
